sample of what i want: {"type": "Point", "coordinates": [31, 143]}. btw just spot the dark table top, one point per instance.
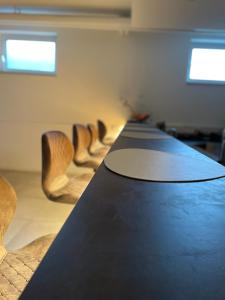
{"type": "Point", "coordinates": [132, 239]}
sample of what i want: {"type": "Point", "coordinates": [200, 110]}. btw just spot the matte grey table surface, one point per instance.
{"type": "Point", "coordinates": [132, 239]}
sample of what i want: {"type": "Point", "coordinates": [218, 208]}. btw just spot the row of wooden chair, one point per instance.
{"type": "Point", "coordinates": [88, 150]}
{"type": "Point", "coordinates": [58, 153]}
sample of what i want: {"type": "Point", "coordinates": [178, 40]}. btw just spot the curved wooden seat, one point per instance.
{"type": "Point", "coordinates": [16, 268]}
{"type": "Point", "coordinates": [96, 148]}
{"type": "Point", "coordinates": [57, 154]}
{"type": "Point", "coordinates": [81, 142]}
{"type": "Point", "coordinates": [103, 134]}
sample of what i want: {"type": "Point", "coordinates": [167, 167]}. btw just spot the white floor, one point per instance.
{"type": "Point", "coordinates": [35, 215]}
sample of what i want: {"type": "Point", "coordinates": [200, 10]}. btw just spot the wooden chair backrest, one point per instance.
{"type": "Point", "coordinates": [81, 140]}
{"type": "Point", "coordinates": [94, 136]}
{"type": "Point", "coordinates": [7, 210]}
{"type": "Point", "coordinates": [57, 154]}
{"type": "Point", "coordinates": [102, 130]}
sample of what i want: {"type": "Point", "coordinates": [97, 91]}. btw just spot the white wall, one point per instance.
{"type": "Point", "coordinates": [158, 66]}
{"type": "Point", "coordinates": [96, 69]}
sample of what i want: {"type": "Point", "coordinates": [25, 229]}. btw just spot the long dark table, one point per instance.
{"type": "Point", "coordinates": [132, 239]}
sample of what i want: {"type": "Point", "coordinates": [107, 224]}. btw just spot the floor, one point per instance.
{"type": "Point", "coordinates": [210, 149]}
{"type": "Point", "coordinates": [35, 215]}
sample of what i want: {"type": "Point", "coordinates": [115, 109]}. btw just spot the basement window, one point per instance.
{"type": "Point", "coordinates": [207, 62]}
{"type": "Point", "coordinates": [28, 54]}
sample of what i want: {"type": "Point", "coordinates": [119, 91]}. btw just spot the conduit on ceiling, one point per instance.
{"type": "Point", "coordinates": [64, 11]}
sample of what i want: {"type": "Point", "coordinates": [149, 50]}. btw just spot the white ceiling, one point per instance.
{"type": "Point", "coordinates": [185, 15]}
{"type": "Point", "coordinates": [109, 4]}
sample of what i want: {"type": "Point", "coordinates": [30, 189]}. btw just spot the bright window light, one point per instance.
{"type": "Point", "coordinates": [207, 65]}
{"type": "Point", "coordinates": [30, 55]}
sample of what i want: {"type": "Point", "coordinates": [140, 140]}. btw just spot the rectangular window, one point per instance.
{"type": "Point", "coordinates": [207, 62]}
{"type": "Point", "coordinates": [29, 54]}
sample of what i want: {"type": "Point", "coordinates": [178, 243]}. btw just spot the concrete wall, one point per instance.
{"type": "Point", "coordinates": [96, 69]}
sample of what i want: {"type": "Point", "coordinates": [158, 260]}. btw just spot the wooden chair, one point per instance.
{"type": "Point", "coordinates": [81, 142]}
{"type": "Point", "coordinates": [96, 148]}
{"type": "Point", "coordinates": [16, 268]}
{"type": "Point", "coordinates": [57, 154]}
{"type": "Point", "coordinates": [103, 134]}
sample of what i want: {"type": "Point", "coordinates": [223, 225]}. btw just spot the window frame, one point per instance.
{"type": "Point", "coordinates": [48, 37]}
{"type": "Point", "coordinates": [203, 44]}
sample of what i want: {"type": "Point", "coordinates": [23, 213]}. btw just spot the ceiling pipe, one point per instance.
{"type": "Point", "coordinates": [64, 11]}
